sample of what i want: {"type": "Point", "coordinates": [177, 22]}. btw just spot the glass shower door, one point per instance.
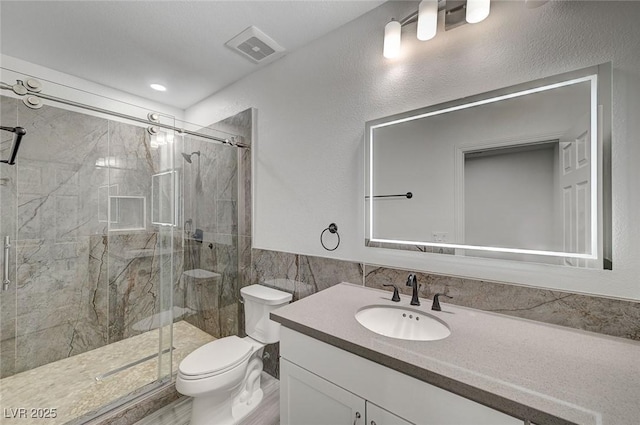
{"type": "Point", "coordinates": [89, 303]}
{"type": "Point", "coordinates": [8, 209]}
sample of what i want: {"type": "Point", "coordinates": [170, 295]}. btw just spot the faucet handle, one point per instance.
{"type": "Point", "coordinates": [396, 296]}
{"type": "Point", "coordinates": [436, 302]}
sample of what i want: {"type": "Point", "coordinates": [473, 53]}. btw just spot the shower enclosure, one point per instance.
{"type": "Point", "coordinates": [122, 257]}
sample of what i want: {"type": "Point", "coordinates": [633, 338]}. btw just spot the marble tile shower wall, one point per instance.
{"type": "Point", "coordinates": [304, 275]}
{"type": "Point", "coordinates": [79, 287]}
{"type": "Point", "coordinates": [210, 211]}
{"type": "Point", "coordinates": [217, 203]}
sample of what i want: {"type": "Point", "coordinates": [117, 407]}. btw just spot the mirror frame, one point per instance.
{"type": "Point", "coordinates": [600, 112]}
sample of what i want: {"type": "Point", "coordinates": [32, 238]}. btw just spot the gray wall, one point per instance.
{"type": "Point", "coordinates": [313, 104]}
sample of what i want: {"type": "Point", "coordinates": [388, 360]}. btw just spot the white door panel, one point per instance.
{"type": "Point", "coordinates": [575, 186]}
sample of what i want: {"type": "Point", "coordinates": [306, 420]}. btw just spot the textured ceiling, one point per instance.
{"type": "Point", "coordinates": [129, 44]}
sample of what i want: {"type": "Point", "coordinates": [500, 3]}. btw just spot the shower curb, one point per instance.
{"type": "Point", "coordinates": [137, 409]}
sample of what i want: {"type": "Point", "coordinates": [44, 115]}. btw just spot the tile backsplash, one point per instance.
{"type": "Point", "coordinates": [304, 275]}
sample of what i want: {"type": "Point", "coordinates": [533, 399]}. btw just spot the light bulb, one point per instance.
{"type": "Point", "coordinates": [477, 10]}
{"type": "Point", "coordinates": [158, 87]}
{"type": "Point", "coordinates": [392, 33]}
{"type": "Point", "coordinates": [427, 19]}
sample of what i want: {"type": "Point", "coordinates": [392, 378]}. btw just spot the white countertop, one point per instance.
{"type": "Point", "coordinates": [545, 373]}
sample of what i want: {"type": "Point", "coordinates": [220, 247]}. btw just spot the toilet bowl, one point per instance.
{"type": "Point", "coordinates": [223, 376]}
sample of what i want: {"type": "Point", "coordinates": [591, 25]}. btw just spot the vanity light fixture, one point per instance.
{"type": "Point", "coordinates": [392, 39]}
{"type": "Point", "coordinates": [456, 13]}
{"type": "Point", "coordinates": [427, 19]}
{"type": "Point", "coordinates": [477, 10]}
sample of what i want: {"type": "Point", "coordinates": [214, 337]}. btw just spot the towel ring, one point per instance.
{"type": "Point", "coordinates": [333, 228]}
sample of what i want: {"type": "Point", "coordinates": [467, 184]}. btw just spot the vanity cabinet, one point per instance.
{"type": "Point", "coordinates": [321, 384]}
{"type": "Point", "coordinates": [311, 400]}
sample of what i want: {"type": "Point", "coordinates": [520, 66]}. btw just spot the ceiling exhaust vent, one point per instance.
{"type": "Point", "coordinates": [255, 45]}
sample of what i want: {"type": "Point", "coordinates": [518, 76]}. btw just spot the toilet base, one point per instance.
{"type": "Point", "coordinates": [214, 409]}
{"type": "Point", "coordinates": [242, 409]}
{"type": "Point", "coordinates": [220, 411]}
{"type": "Point", "coordinates": [229, 407]}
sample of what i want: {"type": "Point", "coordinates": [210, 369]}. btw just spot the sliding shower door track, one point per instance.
{"type": "Point", "coordinates": [130, 365]}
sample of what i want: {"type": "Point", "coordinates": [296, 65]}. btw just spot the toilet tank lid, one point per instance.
{"type": "Point", "coordinates": [265, 295]}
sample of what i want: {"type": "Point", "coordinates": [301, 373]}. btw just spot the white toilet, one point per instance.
{"type": "Point", "coordinates": [223, 376]}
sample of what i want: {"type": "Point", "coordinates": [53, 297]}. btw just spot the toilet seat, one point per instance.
{"type": "Point", "coordinates": [215, 358]}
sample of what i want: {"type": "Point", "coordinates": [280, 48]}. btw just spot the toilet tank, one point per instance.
{"type": "Point", "coordinates": [259, 301]}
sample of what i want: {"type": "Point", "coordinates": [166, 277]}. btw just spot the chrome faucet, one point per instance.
{"type": "Point", "coordinates": [413, 282]}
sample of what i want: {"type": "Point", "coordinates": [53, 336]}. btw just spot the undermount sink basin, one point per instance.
{"type": "Point", "coordinates": [402, 323]}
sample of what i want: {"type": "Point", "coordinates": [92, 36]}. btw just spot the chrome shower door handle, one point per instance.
{"type": "Point", "coordinates": [5, 279]}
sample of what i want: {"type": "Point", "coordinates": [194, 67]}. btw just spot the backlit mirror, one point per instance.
{"type": "Point", "coordinates": [519, 174]}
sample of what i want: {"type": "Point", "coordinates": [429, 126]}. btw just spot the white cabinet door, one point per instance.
{"type": "Point", "coordinates": [307, 399]}
{"type": "Point", "coordinates": [376, 415]}
{"type": "Point", "coordinates": [426, 405]}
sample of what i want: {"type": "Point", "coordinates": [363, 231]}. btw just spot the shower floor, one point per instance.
{"type": "Point", "coordinates": [70, 387]}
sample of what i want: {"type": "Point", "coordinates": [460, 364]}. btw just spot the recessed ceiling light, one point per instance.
{"type": "Point", "coordinates": [158, 87]}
